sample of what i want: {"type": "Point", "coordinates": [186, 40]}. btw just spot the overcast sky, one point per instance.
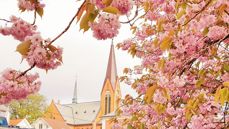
{"type": "Point", "coordinates": [83, 56]}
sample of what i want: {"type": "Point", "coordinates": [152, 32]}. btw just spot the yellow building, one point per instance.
{"type": "Point", "coordinates": [91, 115]}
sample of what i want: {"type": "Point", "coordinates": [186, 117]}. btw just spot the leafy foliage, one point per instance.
{"type": "Point", "coordinates": [30, 108]}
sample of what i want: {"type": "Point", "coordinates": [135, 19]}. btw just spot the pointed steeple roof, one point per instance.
{"type": "Point", "coordinates": [111, 72]}
{"type": "Point", "coordinates": [74, 99]}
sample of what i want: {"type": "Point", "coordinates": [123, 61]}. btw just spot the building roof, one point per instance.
{"type": "Point", "coordinates": [79, 113]}
{"type": "Point", "coordinates": [56, 124]}
{"type": "Point", "coordinates": [15, 122]}
{"type": "Point", "coordinates": [111, 72]}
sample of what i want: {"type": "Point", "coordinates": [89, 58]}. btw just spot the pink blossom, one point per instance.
{"type": "Point", "coordinates": [126, 44]}
{"type": "Point", "coordinates": [141, 88]}
{"type": "Point", "coordinates": [124, 6]}
{"type": "Point", "coordinates": [152, 16]}
{"type": "Point", "coordinates": [19, 29]}
{"type": "Point", "coordinates": [138, 69]}
{"type": "Point", "coordinates": [13, 85]}
{"type": "Point", "coordinates": [179, 82]}
{"type": "Point", "coordinates": [200, 122]}
{"type": "Point", "coordinates": [216, 32]}
{"type": "Point", "coordinates": [41, 55]}
{"type": "Point", "coordinates": [106, 27]}
{"type": "Point", "coordinates": [99, 3]}
{"type": "Point", "coordinates": [207, 21]}
{"type": "Point", "coordinates": [159, 97]}
{"type": "Point", "coordinates": [225, 77]}
{"type": "Point", "coordinates": [169, 8]}
{"type": "Point", "coordinates": [28, 5]}
{"type": "Point", "coordinates": [170, 110]}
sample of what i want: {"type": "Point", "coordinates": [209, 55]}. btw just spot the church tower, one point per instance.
{"type": "Point", "coordinates": [74, 99]}
{"type": "Point", "coordinates": [110, 94]}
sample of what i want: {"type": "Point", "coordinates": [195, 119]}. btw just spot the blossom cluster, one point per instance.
{"type": "Point", "coordinates": [184, 52]}
{"type": "Point", "coordinates": [29, 5]}
{"type": "Point", "coordinates": [42, 54]}
{"type": "Point", "coordinates": [124, 6]}
{"type": "Point", "coordinates": [19, 29]}
{"type": "Point", "coordinates": [16, 85]}
{"type": "Point", "coordinates": [106, 27]}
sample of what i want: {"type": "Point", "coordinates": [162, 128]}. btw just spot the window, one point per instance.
{"type": "Point", "coordinates": [40, 126]}
{"type": "Point", "coordinates": [107, 103]}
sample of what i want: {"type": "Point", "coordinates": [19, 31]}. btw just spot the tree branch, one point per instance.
{"type": "Point", "coordinates": [35, 17]}
{"type": "Point", "coordinates": [206, 5]}
{"type": "Point", "coordinates": [129, 20]}
{"type": "Point", "coordinates": [22, 74]}
{"type": "Point", "coordinates": [69, 25]}
{"type": "Point", "coordinates": [4, 20]}
{"type": "Point", "coordinates": [192, 60]}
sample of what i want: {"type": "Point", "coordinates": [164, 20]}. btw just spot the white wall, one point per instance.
{"type": "Point", "coordinates": [40, 121]}
{"type": "Point", "coordinates": [24, 124]}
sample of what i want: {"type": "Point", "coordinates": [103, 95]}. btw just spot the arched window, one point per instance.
{"type": "Point", "coordinates": [107, 103]}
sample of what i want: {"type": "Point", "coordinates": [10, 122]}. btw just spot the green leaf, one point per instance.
{"type": "Point", "coordinates": [161, 64]}
{"type": "Point", "coordinates": [112, 10]}
{"type": "Point", "coordinates": [107, 2]}
{"type": "Point", "coordinates": [205, 31]}
{"type": "Point", "coordinates": [40, 11]}
{"type": "Point", "coordinates": [134, 118]}
{"type": "Point", "coordinates": [199, 82]}
{"type": "Point", "coordinates": [202, 72]}
{"type": "Point", "coordinates": [142, 126]}
{"type": "Point", "coordinates": [226, 67]}
{"type": "Point", "coordinates": [23, 48]}
{"type": "Point", "coordinates": [22, 9]}
{"type": "Point", "coordinates": [149, 94]}
{"type": "Point", "coordinates": [223, 96]}
{"type": "Point", "coordinates": [180, 13]}
{"type": "Point", "coordinates": [129, 126]}
{"type": "Point", "coordinates": [93, 15]}
{"type": "Point", "coordinates": [166, 43]}
{"type": "Point", "coordinates": [84, 23]}
{"type": "Point", "coordinates": [160, 108]}
{"type": "Point", "coordinates": [90, 16]}
{"type": "Point", "coordinates": [217, 94]}
{"type": "Point", "coordinates": [52, 48]}
{"type": "Point", "coordinates": [226, 84]}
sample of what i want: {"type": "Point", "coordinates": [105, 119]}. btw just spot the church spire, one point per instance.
{"type": "Point", "coordinates": [74, 99]}
{"type": "Point", "coordinates": [111, 72]}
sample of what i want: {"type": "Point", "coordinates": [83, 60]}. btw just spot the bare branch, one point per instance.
{"type": "Point", "coordinates": [4, 20]}
{"type": "Point", "coordinates": [69, 25]}
{"type": "Point", "coordinates": [22, 74]}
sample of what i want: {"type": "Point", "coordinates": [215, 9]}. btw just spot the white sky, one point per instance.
{"type": "Point", "coordinates": [83, 54]}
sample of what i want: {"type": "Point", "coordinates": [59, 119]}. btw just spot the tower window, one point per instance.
{"type": "Point", "coordinates": [107, 103]}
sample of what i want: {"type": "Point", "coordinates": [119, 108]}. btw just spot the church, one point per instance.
{"type": "Point", "coordinates": [91, 115]}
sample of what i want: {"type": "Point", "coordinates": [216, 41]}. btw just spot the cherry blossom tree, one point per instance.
{"type": "Point", "coordinates": [183, 80]}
